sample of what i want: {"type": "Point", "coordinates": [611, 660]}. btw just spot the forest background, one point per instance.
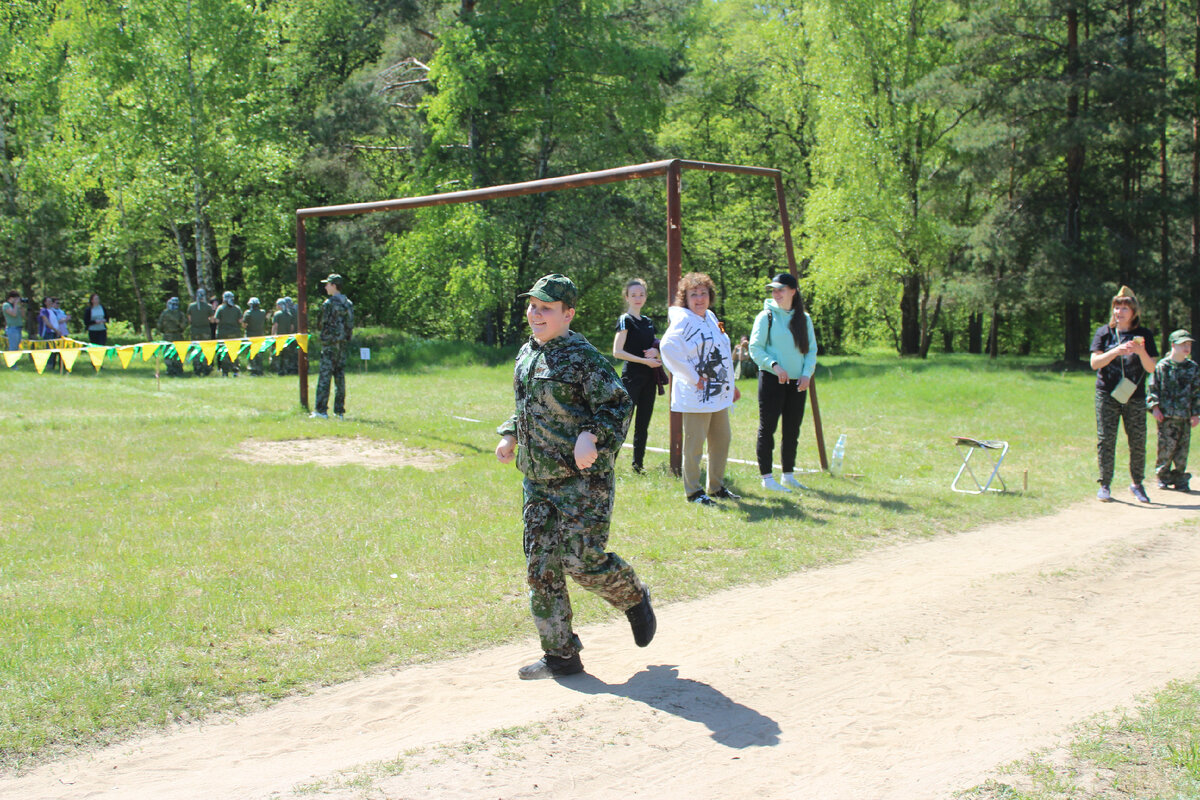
{"type": "Point", "coordinates": [977, 175]}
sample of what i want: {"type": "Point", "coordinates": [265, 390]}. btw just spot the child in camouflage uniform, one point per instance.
{"type": "Point", "coordinates": [572, 413]}
{"type": "Point", "coordinates": [1173, 397]}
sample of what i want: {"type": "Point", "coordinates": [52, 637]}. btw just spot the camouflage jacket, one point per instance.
{"type": "Point", "coordinates": [285, 323]}
{"type": "Point", "coordinates": [172, 324]}
{"type": "Point", "coordinates": [229, 321]}
{"type": "Point", "coordinates": [1174, 387]}
{"type": "Point", "coordinates": [198, 314]}
{"type": "Point", "coordinates": [255, 320]}
{"type": "Point", "coordinates": [563, 388]}
{"type": "Point", "coordinates": [337, 320]}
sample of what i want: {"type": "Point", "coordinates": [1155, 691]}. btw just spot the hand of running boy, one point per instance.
{"type": "Point", "coordinates": [585, 449]}
{"type": "Point", "coordinates": [506, 451]}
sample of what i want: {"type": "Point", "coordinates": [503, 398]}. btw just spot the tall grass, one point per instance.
{"type": "Point", "coordinates": [149, 576]}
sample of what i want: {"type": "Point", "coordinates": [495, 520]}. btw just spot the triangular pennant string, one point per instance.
{"type": "Point", "coordinates": [96, 354]}
{"type": "Point", "coordinates": [209, 349]}
{"type": "Point", "coordinates": [68, 357]}
{"type": "Point", "coordinates": [302, 340]}
{"type": "Point", "coordinates": [126, 355]}
{"type": "Point", "coordinates": [12, 356]}
{"type": "Point", "coordinates": [40, 357]}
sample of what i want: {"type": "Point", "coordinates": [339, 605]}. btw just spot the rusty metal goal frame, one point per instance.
{"type": "Point", "coordinates": [672, 169]}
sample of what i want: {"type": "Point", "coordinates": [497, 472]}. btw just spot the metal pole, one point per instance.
{"type": "Point", "coordinates": [791, 259]}
{"type": "Point", "coordinates": [302, 306]}
{"type": "Point", "coordinates": [674, 268]}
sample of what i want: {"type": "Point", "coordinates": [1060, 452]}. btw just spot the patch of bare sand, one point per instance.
{"type": "Point", "coordinates": [911, 672]}
{"type": "Point", "coordinates": [333, 451]}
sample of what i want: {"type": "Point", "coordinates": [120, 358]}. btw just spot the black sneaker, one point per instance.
{"type": "Point", "coordinates": [700, 498]}
{"type": "Point", "coordinates": [724, 494]}
{"type": "Point", "coordinates": [641, 619]}
{"type": "Point", "coordinates": [549, 666]}
{"type": "Point", "coordinates": [1139, 493]}
{"type": "Point", "coordinates": [1183, 486]}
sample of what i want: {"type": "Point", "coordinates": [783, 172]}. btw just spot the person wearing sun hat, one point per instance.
{"type": "Point", "coordinates": [1123, 353]}
{"type": "Point", "coordinates": [1173, 397]}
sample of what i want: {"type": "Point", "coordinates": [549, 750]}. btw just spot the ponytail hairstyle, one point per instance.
{"type": "Point", "coordinates": [799, 323]}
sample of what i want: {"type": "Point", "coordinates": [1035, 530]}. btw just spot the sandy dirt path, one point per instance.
{"type": "Point", "coordinates": [910, 672]}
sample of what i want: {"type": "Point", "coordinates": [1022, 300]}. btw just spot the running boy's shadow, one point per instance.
{"type": "Point", "coordinates": [732, 724]}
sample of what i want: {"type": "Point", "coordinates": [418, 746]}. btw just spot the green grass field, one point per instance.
{"type": "Point", "coordinates": [149, 576]}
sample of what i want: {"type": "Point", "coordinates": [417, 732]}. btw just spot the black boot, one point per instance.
{"type": "Point", "coordinates": [641, 619]}
{"type": "Point", "coordinates": [549, 666]}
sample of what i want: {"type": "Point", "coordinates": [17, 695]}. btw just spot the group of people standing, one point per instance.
{"type": "Point", "coordinates": [698, 353]}
{"type": "Point", "coordinates": [52, 320]}
{"type": "Point", "coordinates": [204, 320]}
{"type": "Point", "coordinates": [1130, 384]}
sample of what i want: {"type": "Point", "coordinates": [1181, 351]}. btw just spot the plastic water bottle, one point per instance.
{"type": "Point", "coordinates": [839, 453]}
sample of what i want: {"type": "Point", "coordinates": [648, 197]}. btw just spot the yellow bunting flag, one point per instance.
{"type": "Point", "coordinates": [126, 355]}
{"type": "Point", "coordinates": [181, 349]}
{"type": "Point", "coordinates": [11, 357]}
{"type": "Point", "coordinates": [280, 343]}
{"type": "Point", "coordinates": [96, 354]}
{"type": "Point", "coordinates": [209, 348]}
{"type": "Point", "coordinates": [40, 357]}
{"type": "Point", "coordinates": [257, 343]}
{"type": "Point", "coordinates": [302, 340]}
{"type": "Point", "coordinates": [148, 350]}
{"type": "Point", "coordinates": [68, 356]}
{"type": "Point", "coordinates": [232, 348]}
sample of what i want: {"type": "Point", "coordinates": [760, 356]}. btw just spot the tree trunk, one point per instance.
{"type": "Point", "coordinates": [994, 333]}
{"type": "Point", "coordinates": [1194, 272]}
{"type": "Point", "coordinates": [910, 315]}
{"type": "Point", "coordinates": [1073, 341]}
{"type": "Point", "coordinates": [975, 333]}
{"type": "Point", "coordinates": [1074, 164]}
{"type": "Point", "coordinates": [1164, 245]}
{"type": "Point", "coordinates": [181, 250]}
{"type": "Point", "coordinates": [927, 333]}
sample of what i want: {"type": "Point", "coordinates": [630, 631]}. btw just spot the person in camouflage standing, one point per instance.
{"type": "Point", "coordinates": [172, 327]}
{"type": "Point", "coordinates": [229, 326]}
{"type": "Point", "coordinates": [337, 324]}
{"type": "Point", "coordinates": [254, 323]}
{"type": "Point", "coordinates": [199, 316]}
{"type": "Point", "coordinates": [283, 324]}
{"type": "Point", "coordinates": [1173, 397]}
{"type": "Point", "coordinates": [572, 414]}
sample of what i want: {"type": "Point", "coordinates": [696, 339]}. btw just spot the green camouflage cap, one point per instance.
{"type": "Point", "coordinates": [1180, 336]}
{"type": "Point", "coordinates": [335, 279]}
{"type": "Point", "coordinates": [554, 288]}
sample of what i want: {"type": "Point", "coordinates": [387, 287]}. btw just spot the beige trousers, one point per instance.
{"type": "Point", "coordinates": [698, 427]}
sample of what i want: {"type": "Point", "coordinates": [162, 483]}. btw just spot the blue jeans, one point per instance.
{"type": "Point", "coordinates": [14, 336]}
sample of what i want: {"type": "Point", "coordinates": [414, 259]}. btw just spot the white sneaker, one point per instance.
{"type": "Point", "coordinates": [790, 480]}
{"type": "Point", "coordinates": [771, 485]}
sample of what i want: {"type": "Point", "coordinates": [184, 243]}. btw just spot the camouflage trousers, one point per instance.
{"type": "Point", "coordinates": [285, 362]}
{"type": "Point", "coordinates": [1109, 414]}
{"type": "Point", "coordinates": [200, 366]}
{"type": "Point", "coordinates": [174, 366]}
{"type": "Point", "coordinates": [333, 366]}
{"type": "Point", "coordinates": [1174, 437]}
{"type": "Point", "coordinates": [566, 533]}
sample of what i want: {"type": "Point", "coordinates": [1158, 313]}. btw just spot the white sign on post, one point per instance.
{"type": "Point", "coordinates": [364, 353]}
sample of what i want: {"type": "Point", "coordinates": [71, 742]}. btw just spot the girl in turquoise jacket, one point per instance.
{"type": "Point", "coordinates": [784, 346]}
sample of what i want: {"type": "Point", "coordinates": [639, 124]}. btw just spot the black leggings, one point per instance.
{"type": "Point", "coordinates": [642, 389]}
{"type": "Point", "coordinates": [777, 400]}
